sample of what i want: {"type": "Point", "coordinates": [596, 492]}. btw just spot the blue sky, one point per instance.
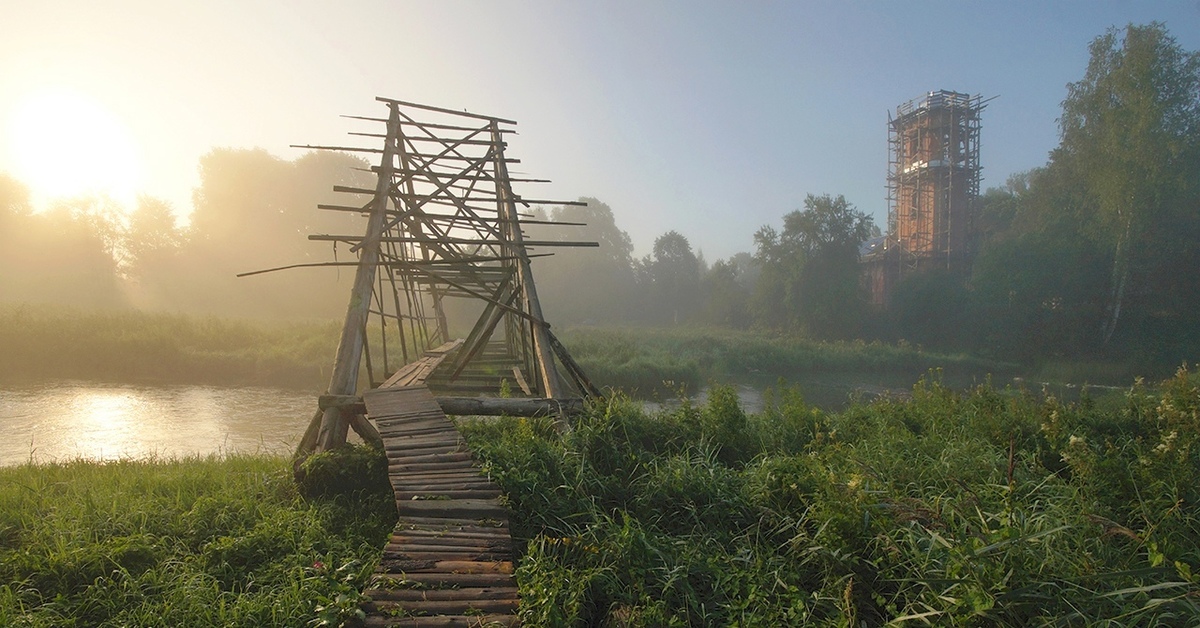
{"type": "Point", "coordinates": [709, 118]}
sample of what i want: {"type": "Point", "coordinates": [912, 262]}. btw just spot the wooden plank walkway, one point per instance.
{"type": "Point", "coordinates": [449, 560]}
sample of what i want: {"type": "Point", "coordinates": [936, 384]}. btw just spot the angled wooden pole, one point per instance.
{"type": "Point", "coordinates": [543, 352]}
{"type": "Point", "coordinates": [344, 381]}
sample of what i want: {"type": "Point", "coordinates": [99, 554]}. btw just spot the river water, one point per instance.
{"type": "Point", "coordinates": [58, 421]}
{"type": "Point", "coordinates": [64, 420]}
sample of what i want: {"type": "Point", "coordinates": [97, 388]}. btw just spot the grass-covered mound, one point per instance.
{"type": "Point", "coordinates": [200, 542]}
{"type": "Point", "coordinates": [983, 508]}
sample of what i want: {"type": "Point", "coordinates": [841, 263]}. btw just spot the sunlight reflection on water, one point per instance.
{"type": "Point", "coordinates": [63, 420]}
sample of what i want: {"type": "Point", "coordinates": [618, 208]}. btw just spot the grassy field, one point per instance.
{"type": "Point", "coordinates": [649, 359]}
{"type": "Point", "coordinates": [989, 507]}
{"type": "Point", "coordinates": [981, 508]}
{"type": "Point", "coordinates": [200, 542]}
{"type": "Point", "coordinates": [139, 347]}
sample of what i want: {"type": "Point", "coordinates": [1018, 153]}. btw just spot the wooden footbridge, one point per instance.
{"type": "Point", "coordinates": [449, 561]}
{"type": "Point", "coordinates": [442, 244]}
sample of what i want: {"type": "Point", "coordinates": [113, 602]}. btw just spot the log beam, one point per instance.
{"type": "Point", "coordinates": [474, 406]}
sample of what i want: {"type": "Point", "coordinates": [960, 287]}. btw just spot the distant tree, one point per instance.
{"type": "Point", "coordinates": [586, 285]}
{"type": "Point", "coordinates": [726, 297]}
{"type": "Point", "coordinates": [673, 276]}
{"type": "Point", "coordinates": [931, 308]}
{"type": "Point", "coordinates": [64, 255]}
{"type": "Point", "coordinates": [253, 211]}
{"type": "Point", "coordinates": [810, 274]}
{"type": "Point", "coordinates": [1131, 136]}
{"type": "Point", "coordinates": [14, 212]}
{"type": "Point", "coordinates": [14, 199]}
{"type": "Point", "coordinates": [151, 248]}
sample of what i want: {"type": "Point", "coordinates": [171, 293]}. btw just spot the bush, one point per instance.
{"type": "Point", "coordinates": [348, 469]}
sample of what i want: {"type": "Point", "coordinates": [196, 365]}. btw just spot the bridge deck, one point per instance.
{"type": "Point", "coordinates": [449, 560]}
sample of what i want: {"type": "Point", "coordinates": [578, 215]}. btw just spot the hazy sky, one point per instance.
{"type": "Point", "coordinates": [709, 118]}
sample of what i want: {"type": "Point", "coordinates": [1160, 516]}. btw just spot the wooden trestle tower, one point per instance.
{"type": "Point", "coordinates": [443, 235]}
{"type": "Point", "coordinates": [442, 225]}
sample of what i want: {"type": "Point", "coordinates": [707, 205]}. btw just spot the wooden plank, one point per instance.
{"type": "Point", "coordinates": [464, 593]}
{"type": "Point", "coordinates": [444, 579]}
{"type": "Point", "coordinates": [451, 540]}
{"type": "Point", "coordinates": [454, 607]}
{"type": "Point", "coordinates": [418, 467]}
{"type": "Point", "coordinates": [324, 237]}
{"type": "Point", "coordinates": [452, 523]}
{"type": "Point", "coordinates": [477, 508]}
{"type": "Point", "coordinates": [437, 458]}
{"type": "Point", "coordinates": [452, 566]}
{"type": "Point", "coordinates": [442, 621]}
{"type": "Point", "coordinates": [437, 494]}
{"type": "Point", "coordinates": [418, 536]}
{"type": "Point", "coordinates": [464, 113]}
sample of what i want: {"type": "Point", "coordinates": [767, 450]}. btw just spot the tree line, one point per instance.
{"type": "Point", "coordinates": [1094, 254]}
{"type": "Point", "coordinates": [251, 211]}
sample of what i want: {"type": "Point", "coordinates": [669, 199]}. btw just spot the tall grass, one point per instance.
{"type": "Point", "coordinates": [196, 542]}
{"type": "Point", "coordinates": [989, 507]}
{"type": "Point", "coordinates": [134, 346]}
{"type": "Point", "coordinates": [656, 359]}
{"type": "Point", "coordinates": [142, 347]}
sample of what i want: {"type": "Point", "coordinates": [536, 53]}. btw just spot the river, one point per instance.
{"type": "Point", "coordinates": [59, 421]}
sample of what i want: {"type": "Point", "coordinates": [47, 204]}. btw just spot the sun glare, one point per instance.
{"type": "Point", "coordinates": [63, 143]}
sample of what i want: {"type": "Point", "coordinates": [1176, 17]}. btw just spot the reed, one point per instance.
{"type": "Point", "coordinates": [216, 541]}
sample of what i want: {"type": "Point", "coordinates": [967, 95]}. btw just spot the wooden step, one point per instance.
{"type": "Point", "coordinates": [442, 621]}
{"type": "Point", "coordinates": [448, 561]}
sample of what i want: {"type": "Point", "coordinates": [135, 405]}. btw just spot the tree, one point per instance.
{"type": "Point", "coordinates": [253, 211]}
{"type": "Point", "coordinates": [1131, 136]}
{"type": "Point", "coordinates": [726, 297]}
{"type": "Point", "coordinates": [151, 237]}
{"type": "Point", "coordinates": [810, 269]}
{"type": "Point", "coordinates": [585, 285]}
{"type": "Point", "coordinates": [673, 273]}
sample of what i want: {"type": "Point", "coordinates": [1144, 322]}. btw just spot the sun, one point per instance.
{"type": "Point", "coordinates": [63, 143]}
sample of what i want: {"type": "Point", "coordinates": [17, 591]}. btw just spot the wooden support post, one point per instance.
{"type": "Point", "coordinates": [541, 341]}
{"type": "Point", "coordinates": [344, 381]}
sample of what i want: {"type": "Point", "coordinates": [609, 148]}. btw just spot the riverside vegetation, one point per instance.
{"type": "Point", "coordinates": [126, 345]}
{"type": "Point", "coordinates": [986, 507]}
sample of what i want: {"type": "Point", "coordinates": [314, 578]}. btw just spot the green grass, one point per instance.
{"type": "Point", "coordinates": [197, 542]}
{"type": "Point", "coordinates": [133, 346]}
{"type": "Point", "coordinates": [651, 359]}
{"type": "Point", "coordinates": [989, 507]}
{"type": "Point", "coordinates": [984, 507]}
{"type": "Point", "coordinates": [140, 347]}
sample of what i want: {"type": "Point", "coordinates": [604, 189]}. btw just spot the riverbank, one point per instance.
{"type": "Point", "coordinates": [129, 346]}
{"type": "Point", "coordinates": [983, 506]}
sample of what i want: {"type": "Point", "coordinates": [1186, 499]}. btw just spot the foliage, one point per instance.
{"type": "Point", "coordinates": [251, 211]}
{"type": "Point", "coordinates": [991, 507]}
{"type": "Point", "coordinates": [585, 284]}
{"type": "Point", "coordinates": [193, 542]}
{"type": "Point", "coordinates": [810, 268]}
{"type": "Point", "coordinates": [128, 345]}
{"type": "Point", "coordinates": [348, 469]}
{"type": "Point", "coordinates": [1131, 142]}
{"type": "Point", "coordinates": [665, 360]}
{"type": "Point", "coordinates": [670, 280]}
